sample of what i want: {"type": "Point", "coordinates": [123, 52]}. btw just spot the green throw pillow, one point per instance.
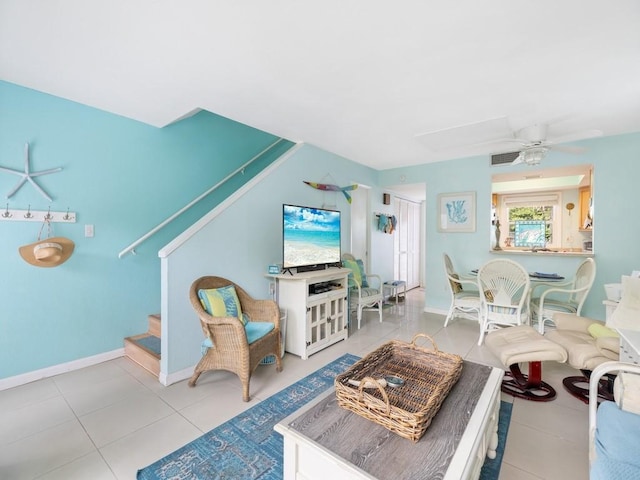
{"type": "Point", "coordinates": [597, 330]}
{"type": "Point", "coordinates": [222, 302]}
{"type": "Point", "coordinates": [355, 276]}
{"type": "Point", "coordinates": [363, 275]}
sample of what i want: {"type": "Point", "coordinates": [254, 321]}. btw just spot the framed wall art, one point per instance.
{"type": "Point", "coordinates": [457, 212]}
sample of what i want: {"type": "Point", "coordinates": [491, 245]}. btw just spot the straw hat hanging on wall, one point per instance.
{"type": "Point", "coordinates": [49, 252]}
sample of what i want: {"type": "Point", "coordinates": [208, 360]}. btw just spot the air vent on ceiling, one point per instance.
{"type": "Point", "coordinates": [504, 158]}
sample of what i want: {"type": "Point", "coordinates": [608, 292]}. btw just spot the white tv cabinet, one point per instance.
{"type": "Point", "coordinates": [315, 318]}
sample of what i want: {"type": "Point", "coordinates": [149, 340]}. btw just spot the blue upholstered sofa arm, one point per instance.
{"type": "Point", "coordinates": [616, 442]}
{"type": "Point", "coordinates": [614, 432]}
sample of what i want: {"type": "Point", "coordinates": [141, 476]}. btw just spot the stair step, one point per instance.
{"type": "Point", "coordinates": [154, 325]}
{"type": "Point", "coordinates": [144, 349]}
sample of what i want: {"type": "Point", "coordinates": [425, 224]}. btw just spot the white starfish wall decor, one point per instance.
{"type": "Point", "coordinates": [27, 175]}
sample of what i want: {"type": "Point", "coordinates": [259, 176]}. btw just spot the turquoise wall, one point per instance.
{"type": "Point", "coordinates": [121, 176]}
{"type": "Point", "coordinates": [242, 240]}
{"type": "Point", "coordinates": [616, 162]}
{"type": "Point", "coordinates": [125, 177]}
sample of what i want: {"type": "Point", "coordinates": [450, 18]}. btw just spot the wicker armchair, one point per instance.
{"type": "Point", "coordinates": [230, 349]}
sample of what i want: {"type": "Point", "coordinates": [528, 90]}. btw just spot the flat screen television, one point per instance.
{"type": "Point", "coordinates": [311, 237]}
{"type": "Point", "coordinates": [530, 233]}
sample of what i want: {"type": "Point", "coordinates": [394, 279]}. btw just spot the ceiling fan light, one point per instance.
{"type": "Point", "coordinates": [533, 156]}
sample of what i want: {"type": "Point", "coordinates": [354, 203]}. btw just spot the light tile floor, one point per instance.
{"type": "Point", "coordinates": [109, 420]}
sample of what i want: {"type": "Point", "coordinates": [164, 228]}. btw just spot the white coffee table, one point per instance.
{"type": "Point", "coordinates": [323, 441]}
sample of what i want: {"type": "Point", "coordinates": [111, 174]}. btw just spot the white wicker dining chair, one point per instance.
{"type": "Point", "coordinates": [465, 299]}
{"type": "Point", "coordinates": [504, 295]}
{"type": "Point", "coordinates": [363, 296]}
{"type": "Point", "coordinates": [566, 297]}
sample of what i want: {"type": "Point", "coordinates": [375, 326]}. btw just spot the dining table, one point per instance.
{"type": "Point", "coordinates": [536, 279]}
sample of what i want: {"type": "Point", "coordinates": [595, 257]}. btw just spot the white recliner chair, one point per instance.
{"type": "Point", "coordinates": [590, 343]}
{"type": "Point", "coordinates": [585, 351]}
{"type": "Point", "coordinates": [520, 344]}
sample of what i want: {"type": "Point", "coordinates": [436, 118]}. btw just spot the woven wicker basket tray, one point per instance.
{"type": "Point", "coordinates": [408, 409]}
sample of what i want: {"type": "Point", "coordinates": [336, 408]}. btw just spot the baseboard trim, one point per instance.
{"type": "Point", "coordinates": [439, 311]}
{"type": "Point", "coordinates": [467, 316]}
{"type": "Point", "coordinates": [175, 377]}
{"type": "Point", "coordinates": [54, 370]}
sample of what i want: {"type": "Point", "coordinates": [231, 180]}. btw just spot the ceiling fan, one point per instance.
{"type": "Point", "coordinates": [534, 145]}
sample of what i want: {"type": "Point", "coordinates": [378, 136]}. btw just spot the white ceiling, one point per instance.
{"type": "Point", "coordinates": [362, 79]}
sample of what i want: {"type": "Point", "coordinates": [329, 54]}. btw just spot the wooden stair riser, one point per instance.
{"type": "Point", "coordinates": [144, 357]}
{"type": "Point", "coordinates": [154, 325]}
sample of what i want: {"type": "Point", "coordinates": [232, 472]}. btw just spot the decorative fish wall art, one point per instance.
{"type": "Point", "coordinates": [333, 188]}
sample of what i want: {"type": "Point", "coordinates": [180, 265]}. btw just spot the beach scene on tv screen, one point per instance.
{"type": "Point", "coordinates": [311, 236]}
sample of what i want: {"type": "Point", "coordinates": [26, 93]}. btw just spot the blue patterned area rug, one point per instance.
{"type": "Point", "coordinates": [491, 468]}
{"type": "Point", "coordinates": [247, 448]}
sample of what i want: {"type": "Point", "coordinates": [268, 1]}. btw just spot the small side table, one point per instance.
{"type": "Point", "coordinates": [394, 287]}
{"type": "Point", "coordinates": [610, 306]}
{"type": "Point", "coordinates": [629, 346]}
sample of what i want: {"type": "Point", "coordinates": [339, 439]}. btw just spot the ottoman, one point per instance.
{"type": "Point", "coordinates": [522, 343]}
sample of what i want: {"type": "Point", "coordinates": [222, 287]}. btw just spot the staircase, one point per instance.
{"type": "Point", "coordinates": [144, 349]}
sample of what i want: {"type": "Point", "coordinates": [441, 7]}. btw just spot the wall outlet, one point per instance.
{"type": "Point", "coordinates": [88, 231]}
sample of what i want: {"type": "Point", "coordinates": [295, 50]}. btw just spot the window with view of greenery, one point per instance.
{"type": "Point", "coordinates": [532, 207]}
{"type": "Point", "coordinates": [560, 197]}
{"type": "Point", "coordinates": [532, 213]}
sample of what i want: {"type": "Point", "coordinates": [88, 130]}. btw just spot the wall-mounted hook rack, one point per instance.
{"type": "Point", "coordinates": [7, 213]}
{"type": "Point", "coordinates": [11, 215]}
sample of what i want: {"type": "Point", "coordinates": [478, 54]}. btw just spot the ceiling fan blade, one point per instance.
{"type": "Point", "coordinates": [567, 148]}
{"type": "Point", "coordinates": [501, 145]}
{"type": "Point", "coordinates": [519, 159]}
{"type": "Point", "coordinates": [464, 135]}
{"type": "Point", "coordinates": [573, 137]}
{"type": "Point", "coordinates": [533, 133]}
{"type": "Point", "coordinates": [498, 141]}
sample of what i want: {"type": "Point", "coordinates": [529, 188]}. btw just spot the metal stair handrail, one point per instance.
{"type": "Point", "coordinates": [131, 248]}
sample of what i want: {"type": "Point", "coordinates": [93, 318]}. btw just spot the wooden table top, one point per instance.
{"type": "Point", "coordinates": [383, 454]}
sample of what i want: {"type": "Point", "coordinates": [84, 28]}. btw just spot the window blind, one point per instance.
{"type": "Point", "coordinates": [529, 200]}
